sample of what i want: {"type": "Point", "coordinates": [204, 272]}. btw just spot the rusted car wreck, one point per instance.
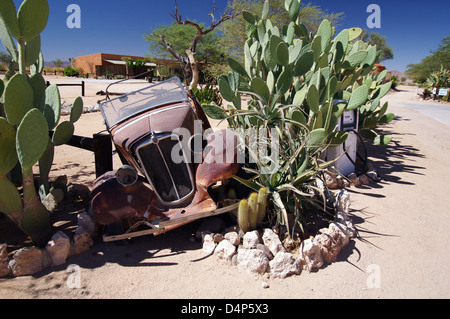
{"type": "Point", "coordinates": [154, 191]}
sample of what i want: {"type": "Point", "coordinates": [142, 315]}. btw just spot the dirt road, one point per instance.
{"type": "Point", "coordinates": [402, 250]}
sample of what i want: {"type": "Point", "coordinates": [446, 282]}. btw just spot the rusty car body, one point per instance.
{"type": "Point", "coordinates": [151, 193]}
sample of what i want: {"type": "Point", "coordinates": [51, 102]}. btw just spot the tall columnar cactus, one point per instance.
{"type": "Point", "coordinates": [31, 110]}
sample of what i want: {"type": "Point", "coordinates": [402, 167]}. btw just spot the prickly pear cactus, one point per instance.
{"type": "Point", "coordinates": [299, 84]}
{"type": "Point", "coordinates": [30, 111]}
{"type": "Point", "coordinates": [290, 66]}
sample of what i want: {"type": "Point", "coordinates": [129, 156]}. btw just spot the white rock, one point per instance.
{"type": "Point", "coordinates": [50, 202]}
{"type": "Point", "coordinates": [346, 222]}
{"type": "Point", "coordinates": [218, 238]}
{"type": "Point", "coordinates": [354, 179]}
{"type": "Point", "coordinates": [83, 240]}
{"type": "Point", "coordinates": [272, 241]}
{"type": "Point", "coordinates": [372, 174]}
{"type": "Point", "coordinates": [85, 221]}
{"type": "Point", "coordinates": [310, 255]}
{"type": "Point", "coordinates": [26, 261]}
{"type": "Point", "coordinates": [331, 180]}
{"type": "Point", "coordinates": [208, 244]}
{"type": "Point", "coordinates": [265, 285]}
{"type": "Point", "coordinates": [339, 231]}
{"type": "Point", "coordinates": [364, 180]}
{"type": "Point", "coordinates": [284, 265]}
{"type": "Point", "coordinates": [343, 201]}
{"type": "Point", "coordinates": [225, 251]}
{"type": "Point", "coordinates": [251, 239]}
{"type": "Point", "coordinates": [252, 260]}
{"type": "Point", "coordinates": [4, 261]}
{"type": "Point", "coordinates": [265, 250]}
{"type": "Point", "coordinates": [331, 241]}
{"type": "Point", "coordinates": [58, 248]}
{"type": "Point", "coordinates": [233, 237]}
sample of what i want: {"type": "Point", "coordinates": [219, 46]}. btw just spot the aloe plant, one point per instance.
{"type": "Point", "coordinates": [293, 79]}
{"type": "Point", "coordinates": [31, 110]}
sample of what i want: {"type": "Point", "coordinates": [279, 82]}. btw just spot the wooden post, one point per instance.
{"type": "Point", "coordinates": [82, 88]}
{"type": "Point", "coordinates": [102, 148]}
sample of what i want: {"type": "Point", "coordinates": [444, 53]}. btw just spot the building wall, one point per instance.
{"type": "Point", "coordinates": [87, 63]}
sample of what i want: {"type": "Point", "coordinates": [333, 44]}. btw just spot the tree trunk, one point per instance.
{"type": "Point", "coordinates": [194, 69]}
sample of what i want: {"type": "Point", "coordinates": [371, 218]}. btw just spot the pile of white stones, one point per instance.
{"type": "Point", "coordinates": [263, 252]}
{"type": "Point", "coordinates": [29, 260]}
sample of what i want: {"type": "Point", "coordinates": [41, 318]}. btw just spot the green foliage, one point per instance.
{"type": "Point", "coordinates": [293, 79]}
{"type": "Point", "coordinates": [180, 37]}
{"type": "Point", "coordinates": [438, 79]}
{"type": "Point", "coordinates": [385, 52]}
{"type": "Point", "coordinates": [31, 110]}
{"type": "Point", "coordinates": [69, 71]}
{"type": "Point", "coordinates": [308, 14]}
{"type": "Point", "coordinates": [208, 94]}
{"type": "Point", "coordinates": [372, 112]}
{"type": "Point", "coordinates": [421, 71]}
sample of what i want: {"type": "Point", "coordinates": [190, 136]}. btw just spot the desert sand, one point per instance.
{"type": "Point", "coordinates": [401, 250]}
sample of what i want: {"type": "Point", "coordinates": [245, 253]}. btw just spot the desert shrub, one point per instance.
{"type": "Point", "coordinates": [69, 71]}
{"type": "Point", "coordinates": [208, 94]}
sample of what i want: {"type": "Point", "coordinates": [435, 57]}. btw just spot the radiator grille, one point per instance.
{"type": "Point", "coordinates": [171, 181]}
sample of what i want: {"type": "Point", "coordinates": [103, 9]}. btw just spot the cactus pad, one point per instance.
{"type": "Point", "coordinates": [31, 138]}
{"type": "Point", "coordinates": [32, 17]}
{"type": "Point", "coordinates": [77, 110]}
{"type": "Point", "coordinates": [52, 107]}
{"type": "Point", "coordinates": [10, 201]}
{"type": "Point", "coordinates": [19, 98]}
{"type": "Point", "coordinates": [63, 133]}
{"type": "Point", "coordinates": [8, 156]}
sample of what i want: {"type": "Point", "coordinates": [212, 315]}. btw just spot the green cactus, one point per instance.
{"type": "Point", "coordinates": [63, 133]}
{"type": "Point", "coordinates": [19, 98]}
{"type": "Point", "coordinates": [77, 110]}
{"type": "Point", "coordinates": [243, 216]}
{"type": "Point", "coordinates": [31, 110]}
{"type": "Point", "coordinates": [293, 78]}
{"type": "Point", "coordinates": [32, 18]}
{"type": "Point", "coordinates": [52, 106]}
{"type": "Point", "coordinates": [32, 138]}
{"type": "Point", "coordinates": [10, 200]}
{"type": "Point", "coordinates": [253, 211]}
{"type": "Point", "coordinates": [262, 204]}
{"type": "Point", "coordinates": [8, 156]}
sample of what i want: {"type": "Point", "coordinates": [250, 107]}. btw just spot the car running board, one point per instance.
{"type": "Point", "coordinates": [160, 226]}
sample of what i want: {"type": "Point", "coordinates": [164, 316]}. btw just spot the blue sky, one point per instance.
{"type": "Point", "coordinates": [412, 28]}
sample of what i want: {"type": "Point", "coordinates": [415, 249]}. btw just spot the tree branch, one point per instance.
{"type": "Point", "coordinates": [168, 47]}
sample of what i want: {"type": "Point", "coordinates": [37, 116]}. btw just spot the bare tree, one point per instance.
{"type": "Point", "coordinates": [188, 62]}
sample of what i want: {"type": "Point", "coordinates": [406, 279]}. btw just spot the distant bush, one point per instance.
{"type": "Point", "coordinates": [69, 71]}
{"type": "Point", "coordinates": [394, 82]}
{"type": "Point", "coordinates": [208, 94]}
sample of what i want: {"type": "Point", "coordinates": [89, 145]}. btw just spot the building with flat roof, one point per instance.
{"type": "Point", "coordinates": [101, 64]}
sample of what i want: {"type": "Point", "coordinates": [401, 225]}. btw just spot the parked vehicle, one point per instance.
{"type": "Point", "coordinates": [154, 191]}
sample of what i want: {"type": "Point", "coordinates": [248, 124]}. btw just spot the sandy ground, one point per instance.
{"type": "Point", "coordinates": [401, 251]}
